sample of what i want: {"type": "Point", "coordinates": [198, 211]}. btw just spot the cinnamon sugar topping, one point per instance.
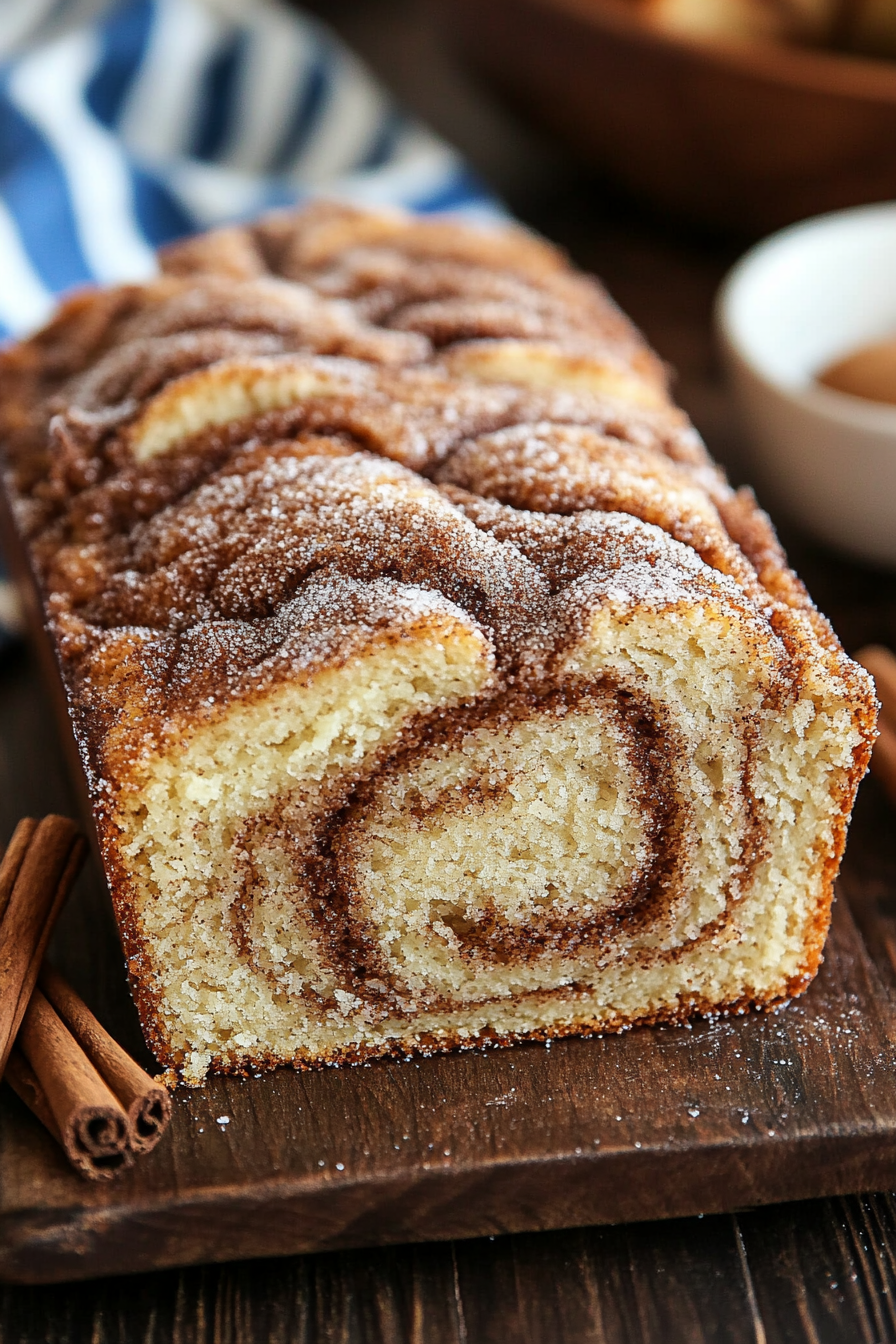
{"type": "Point", "coordinates": [430, 682]}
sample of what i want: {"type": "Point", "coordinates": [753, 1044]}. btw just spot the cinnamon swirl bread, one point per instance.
{"type": "Point", "coordinates": [431, 684]}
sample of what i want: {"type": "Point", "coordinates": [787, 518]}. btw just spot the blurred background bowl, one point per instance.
{"type": "Point", "coordinates": [745, 136]}
{"type": "Point", "coordinates": [810, 294]}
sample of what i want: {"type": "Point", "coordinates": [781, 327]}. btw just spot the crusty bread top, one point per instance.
{"type": "Point", "coordinates": [354, 394]}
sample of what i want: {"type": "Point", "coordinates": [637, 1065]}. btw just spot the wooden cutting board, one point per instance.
{"type": "Point", "coordinates": [656, 1123]}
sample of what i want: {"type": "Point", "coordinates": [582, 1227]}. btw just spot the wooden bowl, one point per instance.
{"type": "Point", "coordinates": [749, 136]}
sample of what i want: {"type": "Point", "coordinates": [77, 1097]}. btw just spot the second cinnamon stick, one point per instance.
{"type": "Point", "coordinates": [88, 1118]}
{"type": "Point", "coordinates": [146, 1101]}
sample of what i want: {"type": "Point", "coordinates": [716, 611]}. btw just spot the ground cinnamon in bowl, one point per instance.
{"type": "Point", "coordinates": [869, 372]}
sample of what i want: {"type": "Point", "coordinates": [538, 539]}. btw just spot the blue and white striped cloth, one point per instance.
{"type": "Point", "coordinates": [124, 126]}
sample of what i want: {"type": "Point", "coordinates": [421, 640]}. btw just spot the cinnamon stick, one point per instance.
{"type": "Point", "coordinates": [146, 1101]}
{"type": "Point", "coordinates": [89, 1119]}
{"type": "Point", "coordinates": [46, 872]}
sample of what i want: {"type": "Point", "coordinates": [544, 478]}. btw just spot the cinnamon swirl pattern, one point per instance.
{"type": "Point", "coordinates": [432, 685]}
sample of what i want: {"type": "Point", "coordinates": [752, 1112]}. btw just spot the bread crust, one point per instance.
{"type": "Point", "coordinates": [336, 438]}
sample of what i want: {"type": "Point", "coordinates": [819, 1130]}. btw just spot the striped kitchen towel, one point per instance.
{"type": "Point", "coordinates": [124, 126]}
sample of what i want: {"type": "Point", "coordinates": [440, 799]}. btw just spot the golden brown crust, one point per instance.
{"type": "Point", "coordinates": [409, 408]}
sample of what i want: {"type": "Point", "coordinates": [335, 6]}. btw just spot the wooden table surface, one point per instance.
{"type": "Point", "coordinates": [821, 1271]}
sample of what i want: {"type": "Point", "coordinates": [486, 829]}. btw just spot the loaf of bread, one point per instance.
{"type": "Point", "coordinates": [431, 685]}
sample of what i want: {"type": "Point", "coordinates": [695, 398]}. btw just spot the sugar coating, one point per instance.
{"type": "Point", "coordinates": [432, 685]}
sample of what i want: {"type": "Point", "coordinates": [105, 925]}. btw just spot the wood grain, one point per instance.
{"type": "Point", "coordinates": [820, 1273]}
{"type": "Point", "coordinates": [831, 1277]}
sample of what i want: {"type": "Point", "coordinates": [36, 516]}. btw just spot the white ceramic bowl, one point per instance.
{"type": "Point", "coordinates": [800, 299]}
